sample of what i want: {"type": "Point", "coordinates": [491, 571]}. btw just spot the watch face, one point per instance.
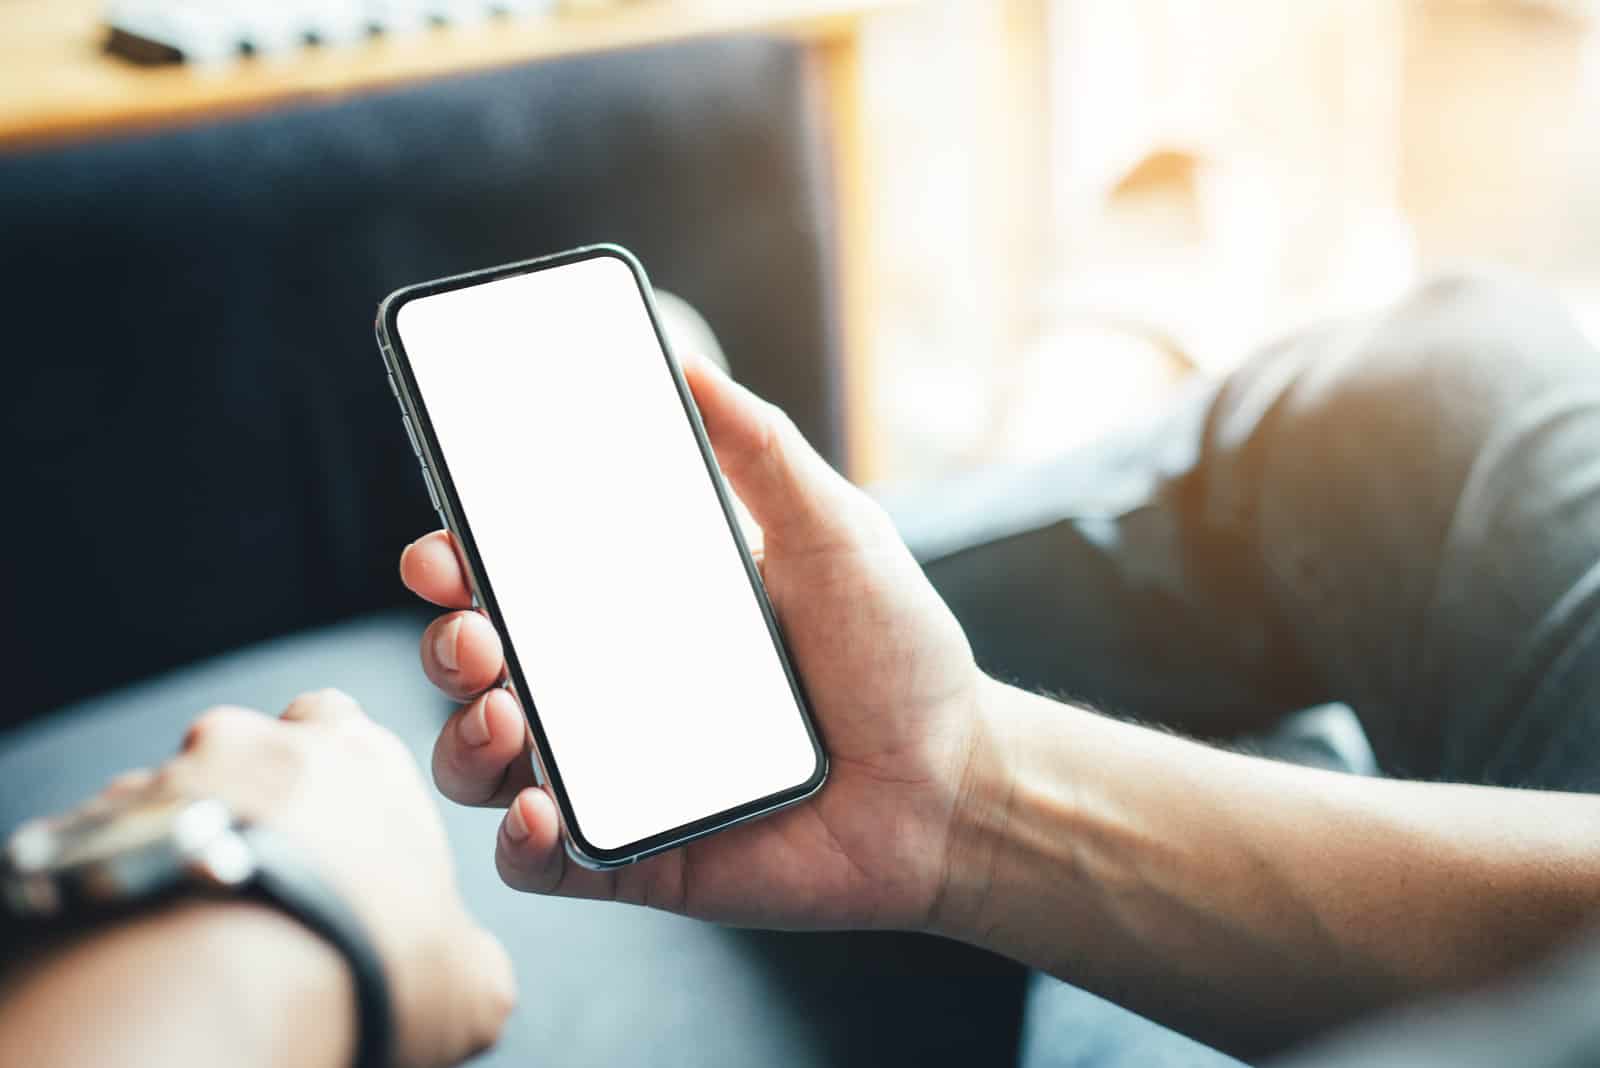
{"type": "Point", "coordinates": [114, 830]}
{"type": "Point", "coordinates": [111, 848]}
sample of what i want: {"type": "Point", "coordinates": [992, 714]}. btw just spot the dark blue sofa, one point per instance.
{"type": "Point", "coordinates": [208, 486]}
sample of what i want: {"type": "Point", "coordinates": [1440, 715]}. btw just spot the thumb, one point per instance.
{"type": "Point", "coordinates": [799, 501]}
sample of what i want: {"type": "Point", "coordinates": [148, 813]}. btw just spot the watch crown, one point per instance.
{"type": "Point", "coordinates": [227, 861]}
{"type": "Point", "coordinates": [31, 847]}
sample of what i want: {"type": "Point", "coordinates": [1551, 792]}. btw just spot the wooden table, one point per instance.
{"type": "Point", "coordinates": [58, 85]}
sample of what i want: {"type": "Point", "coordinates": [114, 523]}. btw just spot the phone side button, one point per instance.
{"type": "Point", "coordinates": [393, 388]}
{"type": "Point", "coordinates": [433, 492]}
{"type": "Point", "coordinates": [411, 432]}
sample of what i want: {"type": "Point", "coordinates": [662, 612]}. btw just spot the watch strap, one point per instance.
{"type": "Point", "coordinates": [19, 935]}
{"type": "Point", "coordinates": [283, 880]}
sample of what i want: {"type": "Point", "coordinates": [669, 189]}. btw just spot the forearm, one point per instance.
{"type": "Point", "coordinates": [1232, 896]}
{"type": "Point", "coordinates": [197, 984]}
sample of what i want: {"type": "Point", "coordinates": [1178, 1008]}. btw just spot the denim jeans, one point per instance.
{"type": "Point", "coordinates": [1400, 513]}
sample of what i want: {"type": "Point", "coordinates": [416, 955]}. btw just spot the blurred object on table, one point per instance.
{"type": "Point", "coordinates": [210, 31]}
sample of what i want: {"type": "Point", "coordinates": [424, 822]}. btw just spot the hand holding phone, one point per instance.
{"type": "Point", "coordinates": [888, 670]}
{"type": "Point", "coordinates": [546, 412]}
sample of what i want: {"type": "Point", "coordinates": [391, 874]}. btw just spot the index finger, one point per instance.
{"type": "Point", "coordinates": [431, 569]}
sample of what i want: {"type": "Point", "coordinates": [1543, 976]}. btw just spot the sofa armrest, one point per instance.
{"type": "Point", "coordinates": [195, 414]}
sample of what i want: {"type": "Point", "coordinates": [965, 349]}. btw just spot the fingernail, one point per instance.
{"type": "Point", "coordinates": [516, 826]}
{"type": "Point", "coordinates": [474, 726]}
{"type": "Point", "coordinates": [444, 645]}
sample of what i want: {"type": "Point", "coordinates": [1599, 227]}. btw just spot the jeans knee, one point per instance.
{"type": "Point", "coordinates": [1478, 327]}
{"type": "Point", "coordinates": [1385, 416]}
{"type": "Point", "coordinates": [1445, 362]}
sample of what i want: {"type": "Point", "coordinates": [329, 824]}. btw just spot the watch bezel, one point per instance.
{"type": "Point", "coordinates": [100, 856]}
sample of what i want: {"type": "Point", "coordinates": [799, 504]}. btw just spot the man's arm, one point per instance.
{"type": "Point", "coordinates": [1241, 900]}
{"type": "Point", "coordinates": [231, 982]}
{"type": "Point", "coordinates": [197, 984]}
{"type": "Point", "coordinates": [1245, 900]}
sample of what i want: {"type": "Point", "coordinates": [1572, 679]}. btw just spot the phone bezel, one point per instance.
{"type": "Point", "coordinates": [454, 517]}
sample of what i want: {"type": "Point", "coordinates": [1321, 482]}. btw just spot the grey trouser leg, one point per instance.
{"type": "Point", "coordinates": [602, 985]}
{"type": "Point", "coordinates": [1400, 513]}
{"type": "Point", "coordinates": [1542, 1020]}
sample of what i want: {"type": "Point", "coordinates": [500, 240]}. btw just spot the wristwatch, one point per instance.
{"type": "Point", "coordinates": [119, 854]}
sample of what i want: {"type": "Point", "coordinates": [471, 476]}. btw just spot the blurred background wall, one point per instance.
{"type": "Point", "coordinates": [1065, 189]}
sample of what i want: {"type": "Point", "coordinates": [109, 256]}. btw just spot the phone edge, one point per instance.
{"type": "Point", "coordinates": [441, 493]}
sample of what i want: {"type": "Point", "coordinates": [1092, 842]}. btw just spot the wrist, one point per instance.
{"type": "Point", "coordinates": [195, 982]}
{"type": "Point", "coordinates": [280, 971]}
{"type": "Point", "coordinates": [980, 819]}
{"type": "Point", "coordinates": [264, 968]}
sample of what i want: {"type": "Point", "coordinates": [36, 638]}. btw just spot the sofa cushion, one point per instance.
{"type": "Point", "coordinates": [200, 449]}
{"type": "Point", "coordinates": [601, 984]}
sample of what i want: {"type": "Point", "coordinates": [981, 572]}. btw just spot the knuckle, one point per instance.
{"type": "Point", "coordinates": [291, 769]}
{"type": "Point", "coordinates": [503, 1002]}
{"type": "Point", "coordinates": [327, 697]}
{"type": "Point", "coordinates": [498, 996]}
{"type": "Point", "coordinates": [781, 428]}
{"type": "Point", "coordinates": [498, 1006]}
{"type": "Point", "coordinates": [208, 726]}
{"type": "Point", "coordinates": [170, 778]}
{"type": "Point", "coordinates": [294, 753]}
{"type": "Point", "coordinates": [129, 780]}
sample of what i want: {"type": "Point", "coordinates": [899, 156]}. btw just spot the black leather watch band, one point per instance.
{"type": "Point", "coordinates": [283, 881]}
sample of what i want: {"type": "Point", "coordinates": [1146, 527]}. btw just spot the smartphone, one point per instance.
{"type": "Point", "coordinates": [563, 450]}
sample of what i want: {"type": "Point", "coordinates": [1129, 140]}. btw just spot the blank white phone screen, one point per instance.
{"type": "Point", "coordinates": [620, 585]}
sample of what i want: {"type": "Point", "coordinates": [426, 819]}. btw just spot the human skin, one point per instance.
{"type": "Point", "coordinates": [213, 981]}
{"type": "Point", "coordinates": [1244, 901]}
